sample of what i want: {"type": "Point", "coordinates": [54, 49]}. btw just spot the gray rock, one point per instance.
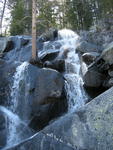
{"type": "Point", "coordinates": [37, 87]}
{"type": "Point", "coordinates": [58, 64]}
{"type": "Point", "coordinates": [3, 131]}
{"type": "Point", "coordinates": [110, 72]}
{"type": "Point", "coordinates": [49, 86]}
{"type": "Point", "coordinates": [93, 78]}
{"type": "Point", "coordinates": [6, 73]}
{"type": "Point", "coordinates": [40, 96]}
{"type": "Point", "coordinates": [88, 58]}
{"type": "Point", "coordinates": [90, 128]}
{"type": "Point", "coordinates": [48, 55]}
{"type": "Point", "coordinates": [21, 50]}
{"type": "Point", "coordinates": [108, 53]}
{"type": "Point", "coordinates": [20, 41]}
{"type": "Point", "coordinates": [6, 44]}
{"type": "Point", "coordinates": [98, 38]}
{"type": "Point", "coordinates": [50, 35]}
{"type": "Point", "coordinates": [21, 55]}
{"type": "Point", "coordinates": [108, 82]}
{"type": "Point", "coordinates": [85, 47]}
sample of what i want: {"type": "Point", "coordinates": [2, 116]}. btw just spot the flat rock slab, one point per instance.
{"type": "Point", "coordinates": [90, 128]}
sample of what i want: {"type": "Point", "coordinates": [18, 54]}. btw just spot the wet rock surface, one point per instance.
{"type": "Point", "coordinates": [93, 78]}
{"type": "Point", "coordinates": [107, 54]}
{"type": "Point", "coordinates": [84, 47]}
{"type": "Point", "coordinates": [6, 72]}
{"type": "Point", "coordinates": [103, 66]}
{"type": "Point", "coordinates": [6, 44]}
{"type": "Point", "coordinates": [43, 88]}
{"type": "Point", "coordinates": [3, 131]}
{"type": "Point", "coordinates": [88, 58]}
{"type": "Point", "coordinates": [42, 96]}
{"type": "Point", "coordinates": [21, 49]}
{"type": "Point", "coordinates": [71, 131]}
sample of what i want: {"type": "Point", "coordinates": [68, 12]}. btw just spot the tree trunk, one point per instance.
{"type": "Point", "coordinates": [34, 53]}
{"type": "Point", "coordinates": [2, 15]}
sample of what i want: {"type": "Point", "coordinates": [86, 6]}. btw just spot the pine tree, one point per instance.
{"type": "Point", "coordinates": [34, 54]}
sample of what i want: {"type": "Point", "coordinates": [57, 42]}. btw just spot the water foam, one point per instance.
{"type": "Point", "coordinates": [74, 84]}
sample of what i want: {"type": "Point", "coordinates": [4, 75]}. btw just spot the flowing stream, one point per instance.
{"type": "Point", "coordinates": [15, 125]}
{"type": "Point", "coordinates": [16, 128]}
{"type": "Point", "coordinates": [76, 95]}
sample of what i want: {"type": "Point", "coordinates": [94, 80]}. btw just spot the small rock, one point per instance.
{"type": "Point", "coordinates": [107, 54]}
{"type": "Point", "coordinates": [108, 83]}
{"type": "Point", "coordinates": [3, 133]}
{"type": "Point", "coordinates": [110, 73]}
{"type": "Point", "coordinates": [58, 65]}
{"type": "Point", "coordinates": [88, 58]}
{"type": "Point", "coordinates": [93, 78]}
{"type": "Point", "coordinates": [6, 44]}
{"type": "Point", "coordinates": [50, 35]}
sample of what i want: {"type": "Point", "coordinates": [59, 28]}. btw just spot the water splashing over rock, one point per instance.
{"type": "Point", "coordinates": [15, 125]}
{"type": "Point", "coordinates": [18, 76]}
{"type": "Point", "coordinates": [74, 84]}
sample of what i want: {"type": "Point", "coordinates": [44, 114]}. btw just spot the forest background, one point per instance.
{"type": "Point", "coordinates": [74, 14]}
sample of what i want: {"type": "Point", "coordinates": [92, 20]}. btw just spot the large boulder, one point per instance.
{"type": "Point", "coordinates": [48, 86]}
{"type": "Point", "coordinates": [40, 95]}
{"type": "Point", "coordinates": [48, 55]}
{"type": "Point", "coordinates": [89, 128]}
{"type": "Point", "coordinates": [108, 53]}
{"type": "Point", "coordinates": [21, 50]}
{"type": "Point", "coordinates": [51, 34]}
{"type": "Point", "coordinates": [9, 43]}
{"type": "Point", "coordinates": [93, 78]}
{"type": "Point", "coordinates": [58, 64]}
{"type": "Point", "coordinates": [98, 38]}
{"type": "Point", "coordinates": [6, 44]}
{"type": "Point", "coordinates": [85, 47]}
{"type": "Point", "coordinates": [20, 41]}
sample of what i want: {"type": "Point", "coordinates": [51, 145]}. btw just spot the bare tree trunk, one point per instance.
{"type": "Point", "coordinates": [34, 53]}
{"type": "Point", "coordinates": [2, 15]}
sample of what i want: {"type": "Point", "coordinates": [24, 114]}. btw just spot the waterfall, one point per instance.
{"type": "Point", "coordinates": [76, 96]}
{"type": "Point", "coordinates": [18, 77]}
{"type": "Point", "coordinates": [15, 125]}
{"type": "Point", "coordinates": [74, 84]}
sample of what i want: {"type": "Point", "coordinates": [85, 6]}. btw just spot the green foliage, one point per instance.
{"type": "Point", "coordinates": [46, 17]}
{"type": "Point", "coordinates": [73, 14]}
{"type": "Point", "coordinates": [78, 14]}
{"type": "Point", "coordinates": [17, 25]}
{"type": "Point", "coordinates": [21, 21]}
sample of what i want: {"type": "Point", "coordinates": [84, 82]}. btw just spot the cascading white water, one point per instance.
{"type": "Point", "coordinates": [14, 123]}
{"type": "Point", "coordinates": [18, 77]}
{"type": "Point", "coordinates": [74, 84]}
